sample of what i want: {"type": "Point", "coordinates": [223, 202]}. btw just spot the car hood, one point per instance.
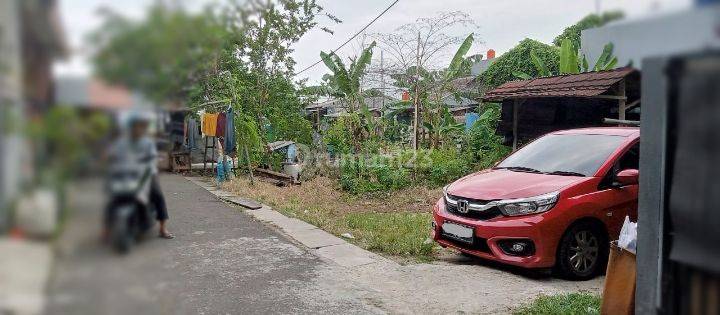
{"type": "Point", "coordinates": [505, 184]}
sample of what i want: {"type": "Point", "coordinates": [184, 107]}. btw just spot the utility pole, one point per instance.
{"type": "Point", "coordinates": [382, 80]}
{"type": "Point", "coordinates": [597, 7]}
{"type": "Point", "coordinates": [417, 97]}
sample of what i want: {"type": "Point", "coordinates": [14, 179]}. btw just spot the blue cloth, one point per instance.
{"type": "Point", "coordinates": [470, 119]}
{"type": "Point", "coordinates": [229, 140]}
{"type": "Point", "coordinates": [224, 170]}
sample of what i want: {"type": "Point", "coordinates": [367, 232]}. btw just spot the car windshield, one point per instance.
{"type": "Point", "coordinates": [567, 154]}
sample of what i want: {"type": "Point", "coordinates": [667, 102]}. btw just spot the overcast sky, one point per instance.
{"type": "Point", "coordinates": [503, 23]}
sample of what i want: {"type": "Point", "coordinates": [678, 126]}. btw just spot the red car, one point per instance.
{"type": "Point", "coordinates": [556, 202]}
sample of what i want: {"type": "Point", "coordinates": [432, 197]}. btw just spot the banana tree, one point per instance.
{"type": "Point", "coordinates": [442, 129]}
{"type": "Point", "coordinates": [571, 63]}
{"type": "Point", "coordinates": [438, 121]}
{"type": "Point", "coordinates": [345, 81]}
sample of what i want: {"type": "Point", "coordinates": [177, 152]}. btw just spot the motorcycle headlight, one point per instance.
{"type": "Point", "coordinates": [531, 205]}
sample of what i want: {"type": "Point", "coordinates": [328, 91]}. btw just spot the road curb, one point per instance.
{"type": "Point", "coordinates": [320, 242]}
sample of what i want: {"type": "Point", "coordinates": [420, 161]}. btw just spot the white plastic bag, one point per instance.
{"type": "Point", "coordinates": [628, 236]}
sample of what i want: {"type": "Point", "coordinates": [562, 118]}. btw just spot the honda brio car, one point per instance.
{"type": "Point", "coordinates": [556, 202]}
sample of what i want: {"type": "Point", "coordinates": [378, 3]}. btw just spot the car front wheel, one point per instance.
{"type": "Point", "coordinates": [583, 252]}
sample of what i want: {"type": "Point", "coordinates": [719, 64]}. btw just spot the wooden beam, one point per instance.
{"type": "Point", "coordinates": [608, 97]}
{"type": "Point", "coordinates": [613, 121]}
{"type": "Point", "coordinates": [622, 101]}
{"type": "Point", "coordinates": [631, 105]}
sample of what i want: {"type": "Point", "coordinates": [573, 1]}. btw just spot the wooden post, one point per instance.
{"type": "Point", "coordinates": [622, 101]}
{"type": "Point", "coordinates": [249, 164]}
{"type": "Point", "coordinates": [417, 98]}
{"type": "Point", "coordinates": [516, 112]}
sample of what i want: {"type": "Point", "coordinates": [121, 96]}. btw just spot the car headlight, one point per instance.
{"type": "Point", "coordinates": [448, 199]}
{"type": "Point", "coordinates": [531, 205]}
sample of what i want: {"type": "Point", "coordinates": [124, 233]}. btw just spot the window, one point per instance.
{"type": "Point", "coordinates": [629, 160]}
{"type": "Point", "coordinates": [577, 153]}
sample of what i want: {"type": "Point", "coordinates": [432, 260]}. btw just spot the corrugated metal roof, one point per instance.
{"type": "Point", "coordinates": [571, 85]}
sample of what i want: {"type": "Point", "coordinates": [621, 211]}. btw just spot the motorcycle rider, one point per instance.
{"type": "Point", "coordinates": [136, 141]}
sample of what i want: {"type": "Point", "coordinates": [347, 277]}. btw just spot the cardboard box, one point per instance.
{"type": "Point", "coordinates": [619, 290]}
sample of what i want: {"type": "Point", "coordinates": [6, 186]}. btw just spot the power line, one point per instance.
{"type": "Point", "coordinates": [351, 38]}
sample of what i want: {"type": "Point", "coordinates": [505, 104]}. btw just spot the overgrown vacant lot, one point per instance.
{"type": "Point", "coordinates": [395, 223]}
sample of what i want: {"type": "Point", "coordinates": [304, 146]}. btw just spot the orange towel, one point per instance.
{"type": "Point", "coordinates": [209, 124]}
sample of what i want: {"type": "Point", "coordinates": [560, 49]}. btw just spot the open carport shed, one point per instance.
{"type": "Point", "coordinates": [531, 108]}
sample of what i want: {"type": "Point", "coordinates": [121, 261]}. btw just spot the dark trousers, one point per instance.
{"type": "Point", "coordinates": [156, 198]}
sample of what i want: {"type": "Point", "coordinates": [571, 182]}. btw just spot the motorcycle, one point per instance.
{"type": "Point", "coordinates": [131, 214]}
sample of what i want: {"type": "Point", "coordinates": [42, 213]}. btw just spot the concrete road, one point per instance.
{"type": "Point", "coordinates": [221, 262]}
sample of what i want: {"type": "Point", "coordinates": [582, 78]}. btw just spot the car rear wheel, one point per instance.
{"type": "Point", "coordinates": [583, 251]}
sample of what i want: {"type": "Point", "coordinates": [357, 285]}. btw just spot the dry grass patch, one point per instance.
{"type": "Point", "coordinates": [395, 223]}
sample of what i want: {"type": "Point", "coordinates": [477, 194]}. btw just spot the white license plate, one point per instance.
{"type": "Point", "coordinates": [457, 230]}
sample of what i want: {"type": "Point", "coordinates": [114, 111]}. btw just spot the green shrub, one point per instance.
{"type": "Point", "coordinates": [447, 166]}
{"type": "Point", "coordinates": [402, 234]}
{"type": "Point", "coordinates": [481, 146]}
{"type": "Point", "coordinates": [339, 137]}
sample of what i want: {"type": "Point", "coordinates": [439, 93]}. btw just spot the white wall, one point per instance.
{"type": "Point", "coordinates": [679, 32]}
{"type": "Point", "coordinates": [12, 148]}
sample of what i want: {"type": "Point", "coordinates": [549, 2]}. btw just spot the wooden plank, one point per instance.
{"type": "Point", "coordinates": [612, 121]}
{"type": "Point", "coordinates": [608, 97]}
{"type": "Point", "coordinates": [622, 101]}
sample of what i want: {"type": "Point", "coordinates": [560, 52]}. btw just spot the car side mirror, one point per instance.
{"type": "Point", "coordinates": [627, 177]}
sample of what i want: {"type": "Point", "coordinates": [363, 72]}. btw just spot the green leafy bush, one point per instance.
{"type": "Point", "coordinates": [339, 137]}
{"type": "Point", "coordinates": [518, 60]}
{"type": "Point", "coordinates": [400, 169]}
{"type": "Point", "coordinates": [572, 32]}
{"type": "Point", "coordinates": [482, 147]}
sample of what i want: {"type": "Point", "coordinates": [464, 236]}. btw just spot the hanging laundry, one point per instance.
{"type": "Point", "coordinates": [209, 124]}
{"type": "Point", "coordinates": [220, 128]}
{"type": "Point", "coordinates": [229, 140]}
{"type": "Point", "coordinates": [191, 132]}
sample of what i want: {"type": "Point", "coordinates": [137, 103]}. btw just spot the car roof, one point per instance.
{"type": "Point", "coordinates": [610, 131]}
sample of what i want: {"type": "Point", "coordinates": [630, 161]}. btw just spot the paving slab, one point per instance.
{"type": "Point", "coordinates": [267, 215]}
{"type": "Point", "coordinates": [24, 271]}
{"type": "Point", "coordinates": [294, 225]}
{"type": "Point", "coordinates": [347, 255]}
{"type": "Point", "coordinates": [246, 203]}
{"type": "Point", "coordinates": [316, 238]}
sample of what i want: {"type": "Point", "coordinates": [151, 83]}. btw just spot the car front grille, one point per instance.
{"type": "Point", "coordinates": [488, 214]}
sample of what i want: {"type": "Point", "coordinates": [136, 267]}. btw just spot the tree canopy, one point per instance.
{"type": "Point", "coordinates": [160, 56]}
{"type": "Point", "coordinates": [573, 32]}
{"type": "Point", "coordinates": [519, 59]}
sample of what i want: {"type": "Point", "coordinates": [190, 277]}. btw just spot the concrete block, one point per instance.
{"type": "Point", "coordinates": [246, 203]}
{"type": "Point", "coordinates": [316, 238]}
{"type": "Point", "coordinates": [290, 225]}
{"type": "Point", "coordinates": [347, 255]}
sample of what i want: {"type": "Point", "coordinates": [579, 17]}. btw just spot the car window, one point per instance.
{"type": "Point", "coordinates": [629, 160]}
{"type": "Point", "coordinates": [574, 153]}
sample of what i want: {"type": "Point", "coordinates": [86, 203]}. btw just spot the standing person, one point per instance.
{"type": "Point", "coordinates": [137, 143]}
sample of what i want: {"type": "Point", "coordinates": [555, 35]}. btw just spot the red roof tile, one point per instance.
{"type": "Point", "coordinates": [569, 85]}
